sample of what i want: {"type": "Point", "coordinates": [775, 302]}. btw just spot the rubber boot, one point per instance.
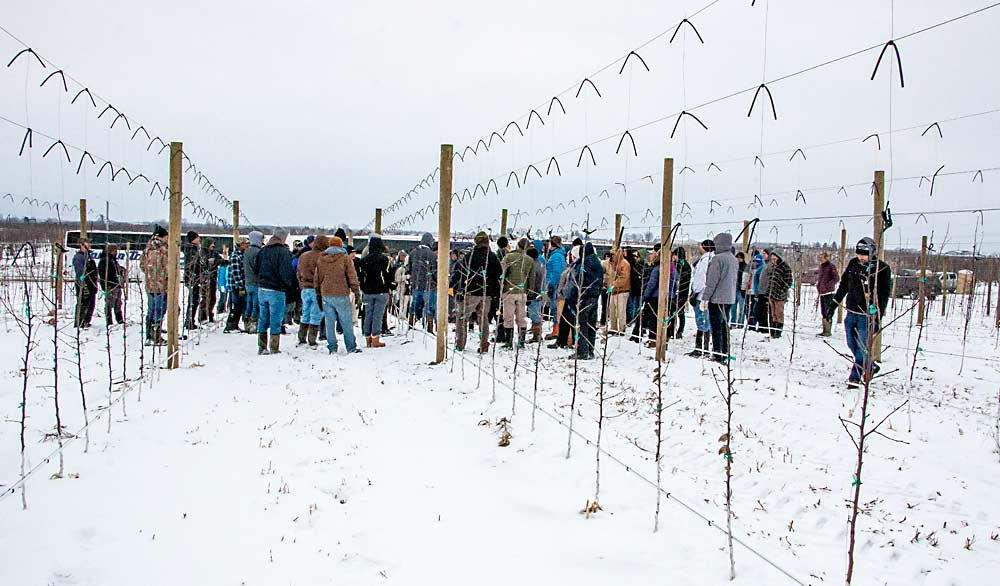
{"type": "Point", "coordinates": [697, 346]}
{"type": "Point", "coordinates": [555, 332]}
{"type": "Point", "coordinates": [303, 331]}
{"type": "Point", "coordinates": [275, 342]}
{"type": "Point", "coordinates": [311, 335]}
{"type": "Point", "coordinates": [484, 346]}
{"type": "Point", "coordinates": [376, 343]}
{"type": "Point", "coordinates": [520, 337]}
{"type": "Point", "coordinates": [262, 344]}
{"type": "Point", "coordinates": [368, 341]}
{"type": "Point", "coordinates": [827, 328]}
{"type": "Point", "coordinates": [536, 333]}
{"type": "Point", "coordinates": [430, 325]}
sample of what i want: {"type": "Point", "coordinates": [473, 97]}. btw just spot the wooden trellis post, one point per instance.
{"type": "Point", "coordinates": [503, 221]}
{"type": "Point", "coordinates": [236, 222]}
{"type": "Point", "coordinates": [746, 240]}
{"type": "Point", "coordinates": [843, 267]}
{"type": "Point", "coordinates": [618, 230]}
{"type": "Point", "coordinates": [444, 244]}
{"type": "Point", "coordinates": [666, 211]}
{"type": "Point", "coordinates": [378, 220]}
{"type": "Point", "coordinates": [83, 218]}
{"type": "Point", "coordinates": [879, 226]}
{"type": "Point", "coordinates": [173, 254]}
{"type": "Point", "coordinates": [923, 280]}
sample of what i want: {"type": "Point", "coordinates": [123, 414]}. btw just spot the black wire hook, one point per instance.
{"type": "Point", "coordinates": [107, 164]}
{"type": "Point", "coordinates": [933, 125]}
{"type": "Point", "coordinates": [114, 175]}
{"type": "Point", "coordinates": [466, 150]}
{"type": "Point", "coordinates": [534, 113]}
{"type": "Point", "coordinates": [142, 128]}
{"type": "Point", "coordinates": [32, 52]}
{"type": "Point", "coordinates": [89, 95]}
{"type": "Point", "coordinates": [678, 121]}
{"type": "Point", "coordinates": [844, 189]}
{"type": "Point", "coordinates": [757, 200]}
{"type": "Point", "coordinates": [555, 99]}
{"type": "Point", "coordinates": [515, 125]}
{"type": "Point", "coordinates": [580, 89]}
{"type": "Point", "coordinates": [494, 184]}
{"type": "Point", "coordinates": [459, 155]}
{"type": "Point", "coordinates": [106, 108]}
{"type": "Point", "coordinates": [549, 168]}
{"type": "Point", "coordinates": [139, 176]}
{"type": "Point", "coordinates": [979, 174]}
{"type": "Point", "coordinates": [899, 61]}
{"type": "Point", "coordinates": [770, 98]}
{"type": "Point", "coordinates": [496, 134]}
{"type": "Point", "coordinates": [154, 140]}
{"type": "Point", "coordinates": [934, 179]}
{"type": "Point", "coordinates": [690, 24]}
{"type": "Point", "coordinates": [476, 190]}
{"type": "Point", "coordinates": [586, 148]}
{"type": "Point", "coordinates": [516, 179]}
{"type": "Point", "coordinates": [28, 139]}
{"type": "Point", "coordinates": [800, 195]}
{"type": "Point", "coordinates": [58, 142]}
{"type": "Point", "coordinates": [622, 141]}
{"type": "Point", "coordinates": [757, 159]}
{"type": "Point", "coordinates": [120, 115]}
{"type": "Point", "coordinates": [629, 56]}
{"type": "Point", "coordinates": [482, 142]}
{"type": "Point", "coordinates": [604, 193]}
{"type": "Point", "coordinates": [53, 74]}
{"type": "Point", "coordinates": [921, 215]}
{"type": "Point", "coordinates": [530, 167]}
{"type": "Point", "coordinates": [83, 157]}
{"type": "Point", "coordinates": [650, 177]}
{"type": "Point", "coordinates": [717, 168]}
{"type": "Point", "coordinates": [878, 141]}
{"type": "Point", "coordinates": [798, 152]}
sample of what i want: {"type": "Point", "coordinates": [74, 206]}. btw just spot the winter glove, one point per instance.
{"type": "Point", "coordinates": [242, 293]}
{"type": "Point", "coordinates": [704, 305]}
{"type": "Point", "coordinates": [451, 292]}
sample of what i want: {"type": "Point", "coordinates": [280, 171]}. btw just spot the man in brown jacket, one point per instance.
{"type": "Point", "coordinates": [154, 267]}
{"type": "Point", "coordinates": [620, 287]}
{"type": "Point", "coordinates": [826, 286]}
{"type": "Point", "coordinates": [335, 280]}
{"type": "Point", "coordinates": [312, 311]}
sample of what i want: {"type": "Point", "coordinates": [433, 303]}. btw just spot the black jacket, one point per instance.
{"type": "Point", "coordinates": [194, 263]}
{"type": "Point", "coordinates": [860, 282]}
{"type": "Point", "coordinates": [587, 281]}
{"type": "Point", "coordinates": [636, 282]}
{"type": "Point", "coordinates": [375, 273]}
{"type": "Point", "coordinates": [108, 271]}
{"type": "Point", "coordinates": [479, 274]}
{"type": "Point", "coordinates": [273, 268]}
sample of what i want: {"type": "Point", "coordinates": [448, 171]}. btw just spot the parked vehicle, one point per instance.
{"type": "Point", "coordinates": [949, 280]}
{"type": "Point", "coordinates": [907, 284]}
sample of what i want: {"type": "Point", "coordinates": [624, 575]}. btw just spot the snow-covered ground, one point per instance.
{"type": "Point", "coordinates": [304, 468]}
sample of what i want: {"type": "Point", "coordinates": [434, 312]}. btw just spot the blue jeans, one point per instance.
{"type": "Point", "coordinates": [157, 308]}
{"type": "Point", "coordinates": [311, 313]}
{"type": "Point", "coordinates": [701, 318]}
{"type": "Point", "coordinates": [424, 303]}
{"type": "Point", "coordinates": [337, 310]}
{"type": "Point", "coordinates": [856, 328]}
{"type": "Point", "coordinates": [632, 308]}
{"type": "Point", "coordinates": [253, 305]}
{"type": "Point", "coordinates": [535, 311]}
{"type": "Point", "coordinates": [738, 309]}
{"type": "Point", "coordinates": [374, 310]}
{"type": "Point", "coordinates": [271, 311]}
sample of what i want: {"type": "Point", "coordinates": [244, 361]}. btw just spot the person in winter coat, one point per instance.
{"type": "Point", "coordinates": [423, 275]}
{"type": "Point", "coordinates": [866, 285]}
{"type": "Point", "coordinates": [222, 283]}
{"type": "Point", "coordinates": [719, 293]}
{"type": "Point", "coordinates": [636, 285]}
{"type": "Point", "coordinates": [761, 320]}
{"type": "Point", "coordinates": [609, 281]}
{"type": "Point", "coordinates": [401, 297]}
{"type": "Point", "coordinates": [555, 262]}
{"type": "Point", "coordinates": [272, 267]}
{"type": "Point", "coordinates": [566, 314]}
{"type": "Point", "coordinates": [312, 311]}
{"type": "Point", "coordinates": [154, 269]}
{"type": "Point", "coordinates": [478, 278]}
{"type": "Point", "coordinates": [536, 296]}
{"type": "Point", "coordinates": [698, 276]}
{"type": "Point", "coordinates": [680, 292]}
{"type": "Point", "coordinates": [645, 325]}
{"type": "Point", "coordinates": [85, 273]}
{"type": "Point", "coordinates": [336, 279]}
{"type": "Point", "coordinates": [826, 284]}
{"type": "Point", "coordinates": [376, 283]}
{"type": "Point", "coordinates": [236, 285]}
{"type": "Point", "coordinates": [209, 278]}
{"type": "Point", "coordinates": [621, 286]}
{"type": "Point", "coordinates": [586, 278]}
{"type": "Point", "coordinates": [110, 274]}
{"type": "Point", "coordinates": [194, 267]}
{"type": "Point", "coordinates": [253, 301]}
{"type": "Point", "coordinates": [737, 313]}
{"type": "Point", "coordinates": [518, 277]}
{"type": "Point", "coordinates": [778, 278]}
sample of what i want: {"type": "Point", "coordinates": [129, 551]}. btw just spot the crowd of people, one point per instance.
{"type": "Point", "coordinates": [504, 290]}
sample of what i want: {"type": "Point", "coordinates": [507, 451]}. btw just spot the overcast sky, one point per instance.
{"type": "Point", "coordinates": [318, 112]}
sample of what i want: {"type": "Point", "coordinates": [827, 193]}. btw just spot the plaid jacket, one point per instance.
{"type": "Point", "coordinates": [237, 279]}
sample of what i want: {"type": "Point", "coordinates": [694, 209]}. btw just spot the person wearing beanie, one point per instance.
{"type": "Point", "coordinates": [698, 276]}
{"type": "Point", "coordinates": [679, 293]}
{"type": "Point", "coordinates": [195, 263]}
{"type": "Point", "coordinates": [585, 283]}
{"type": "Point", "coordinates": [620, 288]}
{"type": "Point", "coordinates": [423, 282]}
{"type": "Point", "coordinates": [536, 296]}
{"type": "Point", "coordinates": [865, 285]}
{"type": "Point", "coordinates": [778, 277]}
{"type": "Point", "coordinates": [256, 239]}
{"type": "Point", "coordinates": [376, 281]}
{"type": "Point", "coordinates": [826, 284]}
{"type": "Point", "coordinates": [312, 310]}
{"type": "Point", "coordinates": [555, 262]}
{"type": "Point", "coordinates": [154, 269]}
{"type": "Point", "coordinates": [272, 268]}
{"type": "Point", "coordinates": [237, 285]}
{"type": "Point", "coordinates": [719, 294]}
{"type": "Point", "coordinates": [209, 280]}
{"type": "Point", "coordinates": [645, 325]}
{"type": "Point", "coordinates": [478, 278]}
{"type": "Point", "coordinates": [518, 277]}
{"type": "Point", "coordinates": [336, 279]}
{"type": "Point", "coordinates": [761, 275]}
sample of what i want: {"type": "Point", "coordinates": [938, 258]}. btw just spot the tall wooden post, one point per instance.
{"type": "Point", "coordinates": [444, 244]}
{"type": "Point", "coordinates": [746, 239]}
{"type": "Point", "coordinates": [350, 237]}
{"type": "Point", "coordinates": [666, 212]}
{"type": "Point", "coordinates": [842, 267]}
{"type": "Point", "coordinates": [944, 284]}
{"type": "Point", "coordinates": [503, 222]}
{"type": "Point", "coordinates": [83, 218]}
{"type": "Point", "coordinates": [879, 226]}
{"type": "Point", "coordinates": [173, 254]}
{"type": "Point", "coordinates": [58, 251]}
{"type": "Point", "coordinates": [236, 222]}
{"type": "Point", "coordinates": [378, 220]}
{"type": "Point", "coordinates": [618, 231]}
{"type": "Point", "coordinates": [923, 280]}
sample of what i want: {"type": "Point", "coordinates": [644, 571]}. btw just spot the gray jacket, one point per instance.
{"type": "Point", "coordinates": [423, 265]}
{"type": "Point", "coordinates": [720, 281]}
{"type": "Point", "coordinates": [256, 240]}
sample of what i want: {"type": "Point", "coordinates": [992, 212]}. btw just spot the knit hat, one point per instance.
{"type": "Point", "coordinates": [556, 240]}
{"type": "Point", "coordinates": [281, 234]}
{"type": "Point", "coordinates": [341, 234]}
{"type": "Point", "coordinates": [866, 246]}
{"type": "Point", "coordinates": [159, 231]}
{"type": "Point", "coordinates": [337, 242]}
{"type": "Point", "coordinates": [482, 239]}
{"type": "Point", "coordinates": [191, 236]}
{"type": "Point", "coordinates": [310, 239]}
{"type": "Point", "coordinates": [708, 245]}
{"type": "Point", "coordinates": [256, 238]}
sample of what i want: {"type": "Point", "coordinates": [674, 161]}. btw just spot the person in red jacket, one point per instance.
{"type": "Point", "coordinates": [826, 286]}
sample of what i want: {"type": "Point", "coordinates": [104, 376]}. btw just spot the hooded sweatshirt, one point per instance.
{"type": "Point", "coordinates": [518, 271]}
{"type": "Point", "coordinates": [335, 274]}
{"type": "Point", "coordinates": [698, 278]}
{"type": "Point", "coordinates": [376, 278]}
{"type": "Point", "coordinates": [256, 242]}
{"type": "Point", "coordinates": [423, 265]}
{"type": "Point", "coordinates": [720, 278]}
{"type": "Point", "coordinates": [554, 266]}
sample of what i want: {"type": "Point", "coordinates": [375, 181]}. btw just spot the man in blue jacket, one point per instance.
{"type": "Point", "coordinates": [275, 277]}
{"type": "Point", "coordinates": [555, 262]}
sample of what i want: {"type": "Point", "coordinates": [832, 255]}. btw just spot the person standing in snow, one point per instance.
{"type": "Point", "coordinates": [763, 304]}
{"type": "Point", "coordinates": [273, 269]}
{"type": "Point", "coordinates": [536, 296]}
{"type": "Point", "coordinates": [555, 262]}
{"type": "Point", "coordinates": [586, 278]}
{"type": "Point", "coordinates": [85, 273]}
{"type": "Point", "coordinates": [737, 313]}
{"type": "Point", "coordinates": [697, 286]}
{"type": "Point", "coordinates": [110, 275]}
{"type": "Point", "coordinates": [518, 276]}
{"type": "Point", "coordinates": [253, 301]}
{"type": "Point", "coordinates": [680, 292]}
{"type": "Point", "coordinates": [635, 286]}
{"type": "Point", "coordinates": [237, 285]}
{"type": "Point", "coordinates": [826, 284]}
{"type": "Point", "coordinates": [154, 269]}
{"type": "Point", "coordinates": [423, 275]}
{"type": "Point", "coordinates": [645, 324]}
{"type": "Point", "coordinates": [336, 279]}
{"type": "Point", "coordinates": [479, 279]}
{"type": "Point", "coordinates": [376, 283]}
{"type": "Point", "coordinates": [312, 310]}
{"type": "Point", "coordinates": [866, 285]}
{"type": "Point", "coordinates": [719, 294]}
{"type": "Point", "coordinates": [620, 287]}
{"type": "Point", "coordinates": [779, 280]}
{"type": "Point", "coordinates": [194, 267]}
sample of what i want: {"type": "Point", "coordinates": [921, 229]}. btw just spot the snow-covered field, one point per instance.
{"type": "Point", "coordinates": [305, 468]}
